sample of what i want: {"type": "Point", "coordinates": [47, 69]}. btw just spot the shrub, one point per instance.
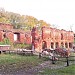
{"type": "Point", "coordinates": [6, 41]}
{"type": "Point", "coordinates": [22, 45]}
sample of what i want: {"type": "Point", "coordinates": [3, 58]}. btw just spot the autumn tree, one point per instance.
{"type": "Point", "coordinates": [24, 22]}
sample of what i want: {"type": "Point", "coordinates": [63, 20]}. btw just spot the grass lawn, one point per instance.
{"type": "Point", "coordinates": [15, 59]}
{"type": "Point", "coordinates": [12, 62]}
{"type": "Point", "coordinates": [70, 70]}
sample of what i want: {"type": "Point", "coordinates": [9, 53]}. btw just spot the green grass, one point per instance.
{"type": "Point", "coordinates": [64, 71]}
{"type": "Point", "coordinates": [12, 58]}
{"type": "Point", "coordinates": [70, 70]}
{"type": "Point", "coordinates": [12, 62]}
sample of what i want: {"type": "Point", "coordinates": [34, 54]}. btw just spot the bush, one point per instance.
{"type": "Point", "coordinates": [6, 41]}
{"type": "Point", "coordinates": [22, 45]}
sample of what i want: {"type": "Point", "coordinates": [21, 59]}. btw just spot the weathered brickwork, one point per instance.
{"type": "Point", "coordinates": [14, 35]}
{"type": "Point", "coordinates": [52, 38]}
{"type": "Point", "coordinates": [48, 37]}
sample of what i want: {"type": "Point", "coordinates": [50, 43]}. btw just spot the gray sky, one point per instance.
{"type": "Point", "coordinates": [58, 12]}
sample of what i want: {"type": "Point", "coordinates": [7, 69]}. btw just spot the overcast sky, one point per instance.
{"type": "Point", "coordinates": [58, 12]}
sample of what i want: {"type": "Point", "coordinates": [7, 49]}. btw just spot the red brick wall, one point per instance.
{"type": "Point", "coordinates": [49, 35]}
{"type": "Point", "coordinates": [28, 40]}
{"type": "Point", "coordinates": [52, 35]}
{"type": "Point", "coordinates": [1, 32]}
{"type": "Point", "coordinates": [6, 26]}
{"type": "Point", "coordinates": [22, 37]}
{"type": "Point", "coordinates": [10, 35]}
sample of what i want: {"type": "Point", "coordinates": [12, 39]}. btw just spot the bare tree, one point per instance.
{"type": "Point", "coordinates": [71, 26]}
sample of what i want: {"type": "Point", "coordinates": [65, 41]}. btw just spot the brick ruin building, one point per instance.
{"type": "Point", "coordinates": [47, 38]}
{"type": "Point", "coordinates": [14, 35]}
{"type": "Point", "coordinates": [51, 38]}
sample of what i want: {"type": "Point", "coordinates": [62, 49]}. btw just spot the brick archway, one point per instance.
{"type": "Point", "coordinates": [57, 44]}
{"type": "Point", "coordinates": [62, 44]}
{"type": "Point", "coordinates": [44, 45]}
{"type": "Point", "coordinates": [51, 38]}
{"type": "Point", "coordinates": [52, 45]}
{"type": "Point", "coordinates": [70, 45]}
{"type": "Point", "coordinates": [66, 45]}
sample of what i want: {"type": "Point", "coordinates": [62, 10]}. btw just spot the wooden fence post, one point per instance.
{"type": "Point", "coordinates": [39, 55]}
{"type": "Point", "coordinates": [67, 61]}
